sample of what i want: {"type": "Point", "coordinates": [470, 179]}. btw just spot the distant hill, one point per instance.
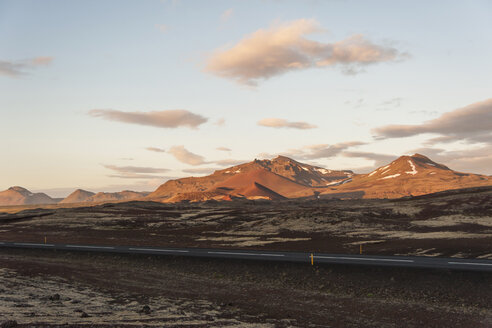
{"type": "Point", "coordinates": [409, 176]}
{"type": "Point", "coordinates": [83, 196]}
{"type": "Point", "coordinates": [21, 196]}
{"type": "Point", "coordinates": [78, 196]}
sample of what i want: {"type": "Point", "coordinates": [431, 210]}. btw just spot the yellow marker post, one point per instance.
{"type": "Point", "coordinates": [45, 239]}
{"type": "Point", "coordinates": [312, 259]}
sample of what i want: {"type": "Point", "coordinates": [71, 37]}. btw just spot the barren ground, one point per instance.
{"type": "Point", "coordinates": [47, 288]}
{"type": "Point", "coordinates": [451, 224]}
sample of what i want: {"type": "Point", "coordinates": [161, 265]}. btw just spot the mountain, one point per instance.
{"type": "Point", "coordinates": [297, 179]}
{"type": "Point", "coordinates": [21, 196]}
{"type": "Point", "coordinates": [408, 176]}
{"type": "Point", "coordinates": [83, 196]}
{"type": "Point", "coordinates": [283, 177]}
{"type": "Point", "coordinates": [78, 196]}
{"type": "Point", "coordinates": [116, 196]}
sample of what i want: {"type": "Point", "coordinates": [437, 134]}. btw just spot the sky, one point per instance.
{"type": "Point", "coordinates": [111, 95]}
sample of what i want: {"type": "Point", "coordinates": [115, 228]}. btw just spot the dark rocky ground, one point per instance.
{"type": "Point", "coordinates": [46, 288]}
{"type": "Point", "coordinates": [451, 224]}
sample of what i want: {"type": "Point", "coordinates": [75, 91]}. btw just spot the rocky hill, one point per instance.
{"type": "Point", "coordinates": [78, 196]}
{"type": "Point", "coordinates": [408, 176]}
{"type": "Point", "coordinates": [83, 196]}
{"type": "Point", "coordinates": [21, 196]}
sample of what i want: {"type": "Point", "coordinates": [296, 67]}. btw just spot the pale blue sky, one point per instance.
{"type": "Point", "coordinates": [142, 56]}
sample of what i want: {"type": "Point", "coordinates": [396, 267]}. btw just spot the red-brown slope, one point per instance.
{"type": "Point", "coordinates": [409, 175]}
{"type": "Point", "coordinates": [258, 191]}
{"type": "Point", "coordinates": [272, 181]}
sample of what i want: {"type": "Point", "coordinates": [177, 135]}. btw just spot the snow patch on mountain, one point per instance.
{"type": "Point", "coordinates": [414, 169]}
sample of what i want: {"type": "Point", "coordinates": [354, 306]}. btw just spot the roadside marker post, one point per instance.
{"type": "Point", "coordinates": [360, 249]}
{"type": "Point", "coordinates": [312, 259]}
{"type": "Point", "coordinates": [45, 239]}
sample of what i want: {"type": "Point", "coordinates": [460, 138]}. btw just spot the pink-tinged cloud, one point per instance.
{"type": "Point", "coordinates": [156, 149]}
{"type": "Point", "coordinates": [313, 152]}
{"type": "Point", "coordinates": [185, 156]}
{"type": "Point", "coordinates": [162, 119]}
{"type": "Point", "coordinates": [226, 15]}
{"type": "Point", "coordinates": [22, 67]}
{"type": "Point", "coordinates": [135, 172]}
{"type": "Point", "coordinates": [200, 170]}
{"type": "Point", "coordinates": [284, 47]}
{"type": "Point", "coordinates": [281, 123]}
{"type": "Point", "coordinates": [472, 123]}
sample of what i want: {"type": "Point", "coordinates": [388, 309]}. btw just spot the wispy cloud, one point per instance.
{"type": "Point", "coordinates": [226, 15]}
{"type": "Point", "coordinates": [223, 149]}
{"type": "Point", "coordinates": [22, 67]}
{"type": "Point", "coordinates": [472, 123]}
{"type": "Point", "coordinates": [162, 28]}
{"type": "Point", "coordinates": [220, 122]}
{"type": "Point", "coordinates": [185, 156]}
{"type": "Point", "coordinates": [322, 150]}
{"type": "Point", "coordinates": [313, 152]}
{"type": "Point", "coordinates": [200, 170]}
{"type": "Point", "coordinates": [162, 119]}
{"type": "Point", "coordinates": [230, 162]}
{"type": "Point", "coordinates": [135, 172]}
{"type": "Point", "coordinates": [379, 159]}
{"type": "Point", "coordinates": [156, 149]}
{"type": "Point", "coordinates": [281, 123]}
{"type": "Point", "coordinates": [284, 47]}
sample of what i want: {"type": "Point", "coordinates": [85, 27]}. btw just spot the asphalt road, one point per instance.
{"type": "Point", "coordinates": [315, 258]}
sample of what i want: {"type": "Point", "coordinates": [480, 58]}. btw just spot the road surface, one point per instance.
{"type": "Point", "coordinates": [315, 258]}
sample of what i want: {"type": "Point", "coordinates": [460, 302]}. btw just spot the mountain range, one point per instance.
{"type": "Point", "coordinates": [283, 178]}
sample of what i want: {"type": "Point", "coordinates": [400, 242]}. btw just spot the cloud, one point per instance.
{"type": "Point", "coordinates": [162, 28]}
{"type": "Point", "coordinates": [226, 15]}
{"type": "Point", "coordinates": [185, 156]}
{"type": "Point", "coordinates": [155, 149]}
{"type": "Point", "coordinates": [230, 162]}
{"type": "Point", "coordinates": [284, 47]}
{"type": "Point", "coordinates": [312, 152]}
{"type": "Point", "coordinates": [135, 172]}
{"type": "Point", "coordinates": [21, 67]}
{"type": "Point", "coordinates": [379, 159]}
{"type": "Point", "coordinates": [162, 119]}
{"type": "Point", "coordinates": [200, 170]}
{"type": "Point", "coordinates": [281, 123]}
{"type": "Point", "coordinates": [220, 122]}
{"type": "Point", "coordinates": [472, 123]}
{"type": "Point", "coordinates": [223, 149]}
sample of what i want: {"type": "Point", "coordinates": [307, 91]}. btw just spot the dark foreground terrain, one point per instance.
{"type": "Point", "coordinates": [450, 224]}
{"type": "Point", "coordinates": [45, 288]}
